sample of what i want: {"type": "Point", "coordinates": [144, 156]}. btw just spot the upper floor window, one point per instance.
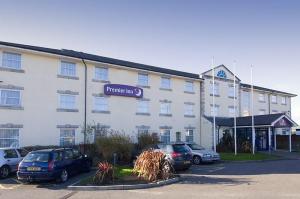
{"type": "Point", "coordinates": [142, 79]}
{"type": "Point", "coordinates": [231, 91]}
{"type": "Point", "coordinates": [67, 101]}
{"type": "Point", "coordinates": [283, 100]}
{"type": "Point", "coordinates": [10, 97]}
{"type": "Point", "coordinates": [101, 103]}
{"type": "Point", "coordinates": [262, 112]}
{"type": "Point", "coordinates": [274, 99]}
{"type": "Point", "coordinates": [165, 108]}
{"type": "Point", "coordinates": [143, 106]}
{"type": "Point", "coordinates": [274, 111]}
{"type": "Point", "coordinates": [261, 97]}
{"type": "Point", "coordinates": [189, 136]}
{"type": "Point", "coordinates": [214, 110]}
{"type": "Point", "coordinates": [189, 86]}
{"type": "Point", "coordinates": [165, 82]}
{"type": "Point", "coordinates": [165, 136]}
{"type": "Point", "coordinates": [11, 60]}
{"type": "Point", "coordinates": [214, 90]}
{"type": "Point", "coordinates": [188, 109]}
{"type": "Point", "coordinates": [101, 73]}
{"type": "Point", "coordinates": [68, 68]}
{"type": "Point", "coordinates": [9, 138]}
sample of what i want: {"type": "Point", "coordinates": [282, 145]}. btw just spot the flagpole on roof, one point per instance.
{"type": "Point", "coordinates": [234, 107]}
{"type": "Point", "coordinates": [252, 112]}
{"type": "Point", "coordinates": [214, 109]}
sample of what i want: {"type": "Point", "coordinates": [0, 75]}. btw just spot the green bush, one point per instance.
{"type": "Point", "coordinates": [115, 142]}
{"type": "Point", "coordinates": [226, 143]}
{"type": "Point", "coordinates": [146, 140]}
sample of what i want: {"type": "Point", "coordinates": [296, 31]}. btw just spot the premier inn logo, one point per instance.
{"type": "Point", "coordinates": [123, 90]}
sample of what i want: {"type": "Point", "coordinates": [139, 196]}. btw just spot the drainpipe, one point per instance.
{"type": "Point", "coordinates": [85, 103]}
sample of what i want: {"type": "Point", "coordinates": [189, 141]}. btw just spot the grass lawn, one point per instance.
{"type": "Point", "coordinates": [246, 156]}
{"type": "Point", "coordinates": [120, 173]}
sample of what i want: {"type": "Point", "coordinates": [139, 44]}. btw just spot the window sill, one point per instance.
{"type": "Point", "coordinates": [104, 112]}
{"type": "Point", "coordinates": [165, 89]}
{"type": "Point", "coordinates": [274, 102]}
{"type": "Point", "coordinates": [165, 115]}
{"type": "Point", "coordinates": [214, 95]}
{"type": "Point", "coordinates": [145, 114]}
{"type": "Point", "coordinates": [11, 70]}
{"type": "Point", "coordinates": [141, 86]}
{"type": "Point", "coordinates": [190, 116]}
{"type": "Point", "coordinates": [189, 92]}
{"type": "Point", "coordinates": [66, 110]}
{"type": "Point", "coordinates": [68, 77]}
{"type": "Point", "coordinates": [11, 107]}
{"type": "Point", "coordinates": [230, 97]}
{"type": "Point", "coordinates": [261, 101]}
{"type": "Point", "coordinates": [283, 104]}
{"type": "Point", "coordinates": [101, 81]}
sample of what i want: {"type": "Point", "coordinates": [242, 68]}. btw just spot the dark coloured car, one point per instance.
{"type": "Point", "coordinates": [52, 164]}
{"type": "Point", "coordinates": [178, 154]}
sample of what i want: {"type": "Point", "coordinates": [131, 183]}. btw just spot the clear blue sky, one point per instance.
{"type": "Point", "coordinates": [181, 35]}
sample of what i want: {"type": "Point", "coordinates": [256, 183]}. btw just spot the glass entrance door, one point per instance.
{"type": "Point", "coordinates": [261, 140]}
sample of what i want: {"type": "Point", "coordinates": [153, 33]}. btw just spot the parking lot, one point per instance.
{"type": "Point", "coordinates": [265, 179]}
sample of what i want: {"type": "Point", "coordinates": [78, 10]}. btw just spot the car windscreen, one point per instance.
{"type": "Point", "coordinates": [196, 147]}
{"type": "Point", "coordinates": [180, 148]}
{"type": "Point", "coordinates": [37, 157]}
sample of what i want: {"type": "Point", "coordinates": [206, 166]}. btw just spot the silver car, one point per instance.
{"type": "Point", "coordinates": [200, 154]}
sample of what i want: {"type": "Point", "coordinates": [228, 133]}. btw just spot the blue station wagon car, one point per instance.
{"type": "Point", "coordinates": [52, 164]}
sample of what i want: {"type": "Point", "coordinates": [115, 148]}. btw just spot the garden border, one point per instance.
{"type": "Point", "coordinates": [125, 187]}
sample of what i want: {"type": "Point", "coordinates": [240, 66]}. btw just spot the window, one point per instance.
{"type": "Point", "coordinates": [67, 137]}
{"type": "Point", "coordinates": [22, 152]}
{"type": "Point", "coordinates": [9, 138]}
{"type": "Point", "coordinates": [10, 153]}
{"type": "Point", "coordinates": [178, 136]}
{"type": "Point", "coordinates": [165, 83]}
{"type": "Point", "coordinates": [274, 99]}
{"type": "Point", "coordinates": [216, 90]}
{"type": "Point", "coordinates": [261, 97]}
{"type": "Point", "coordinates": [283, 100]}
{"type": "Point", "coordinates": [101, 103]}
{"type": "Point", "coordinates": [189, 136]}
{"type": "Point", "coordinates": [231, 111]}
{"type": "Point", "coordinates": [68, 69]}
{"type": "Point", "coordinates": [214, 110]}
{"type": "Point", "coordinates": [143, 131]}
{"type": "Point", "coordinates": [189, 86]}
{"type": "Point", "coordinates": [10, 98]}
{"type": "Point", "coordinates": [57, 156]}
{"type": "Point", "coordinates": [101, 73]}
{"type": "Point", "coordinates": [231, 91]}
{"type": "Point", "coordinates": [67, 101]}
{"type": "Point", "coordinates": [142, 79]}
{"type": "Point", "coordinates": [165, 108]}
{"type": "Point", "coordinates": [143, 107]}
{"type": "Point", "coordinates": [245, 103]}
{"type": "Point", "coordinates": [68, 154]}
{"type": "Point", "coordinates": [274, 111]}
{"type": "Point", "coordinates": [188, 109]}
{"type": "Point", "coordinates": [165, 136]}
{"type": "Point", "coordinates": [11, 60]}
{"type": "Point", "coordinates": [262, 112]}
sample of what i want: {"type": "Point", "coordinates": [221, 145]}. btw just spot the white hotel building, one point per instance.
{"type": "Point", "coordinates": [48, 96]}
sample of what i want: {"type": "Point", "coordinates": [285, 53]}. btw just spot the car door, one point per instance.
{"type": "Point", "coordinates": [69, 162]}
{"type": "Point", "coordinates": [12, 159]}
{"type": "Point", "coordinates": [77, 161]}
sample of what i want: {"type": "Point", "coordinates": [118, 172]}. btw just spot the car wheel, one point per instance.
{"type": "Point", "coordinates": [197, 160]}
{"type": "Point", "coordinates": [4, 171]}
{"type": "Point", "coordinates": [63, 176]}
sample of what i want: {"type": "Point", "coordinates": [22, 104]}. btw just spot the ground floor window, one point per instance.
{"type": "Point", "coordinates": [178, 136]}
{"type": "Point", "coordinates": [67, 137]}
{"type": "Point", "coordinates": [165, 136]}
{"type": "Point", "coordinates": [189, 135]}
{"type": "Point", "coordinates": [9, 138]}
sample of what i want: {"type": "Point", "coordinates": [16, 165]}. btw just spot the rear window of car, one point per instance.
{"type": "Point", "coordinates": [180, 148]}
{"type": "Point", "coordinates": [196, 147]}
{"type": "Point", "coordinates": [37, 157]}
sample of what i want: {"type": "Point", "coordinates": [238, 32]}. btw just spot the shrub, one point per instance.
{"type": "Point", "coordinates": [115, 142]}
{"type": "Point", "coordinates": [146, 140]}
{"type": "Point", "coordinates": [226, 143]}
{"type": "Point", "coordinates": [152, 166]}
{"type": "Point", "coordinates": [104, 174]}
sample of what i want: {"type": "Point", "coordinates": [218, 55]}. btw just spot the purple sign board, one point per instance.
{"type": "Point", "coordinates": [123, 90]}
{"type": "Point", "coordinates": [283, 123]}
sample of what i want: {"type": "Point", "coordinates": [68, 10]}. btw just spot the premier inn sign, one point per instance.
{"type": "Point", "coordinates": [123, 90]}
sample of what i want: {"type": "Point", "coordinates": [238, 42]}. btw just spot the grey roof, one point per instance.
{"type": "Point", "coordinates": [259, 120]}
{"type": "Point", "coordinates": [267, 89]}
{"type": "Point", "coordinates": [222, 65]}
{"type": "Point", "coordinates": [91, 57]}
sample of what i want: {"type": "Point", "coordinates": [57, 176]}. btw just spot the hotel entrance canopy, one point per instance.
{"type": "Point", "coordinates": [279, 120]}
